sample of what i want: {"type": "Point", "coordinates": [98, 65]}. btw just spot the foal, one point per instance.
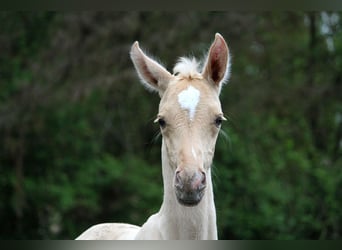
{"type": "Point", "coordinates": [190, 118]}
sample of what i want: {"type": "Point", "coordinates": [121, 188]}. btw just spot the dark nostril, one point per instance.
{"type": "Point", "coordinates": [203, 179]}
{"type": "Point", "coordinates": [177, 173]}
{"type": "Point", "coordinates": [178, 178]}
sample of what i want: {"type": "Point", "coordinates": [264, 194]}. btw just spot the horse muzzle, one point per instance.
{"type": "Point", "coordinates": [190, 187]}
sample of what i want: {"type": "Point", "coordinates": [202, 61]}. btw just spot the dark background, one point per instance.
{"type": "Point", "coordinates": [78, 145]}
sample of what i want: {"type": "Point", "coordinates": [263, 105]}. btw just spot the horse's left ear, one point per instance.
{"type": "Point", "coordinates": [153, 75]}
{"type": "Point", "coordinates": [216, 68]}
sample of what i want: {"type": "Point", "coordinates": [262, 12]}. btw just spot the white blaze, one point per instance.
{"type": "Point", "coordinates": [188, 99]}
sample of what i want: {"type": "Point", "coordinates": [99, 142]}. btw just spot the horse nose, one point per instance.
{"type": "Point", "coordinates": [190, 187]}
{"type": "Point", "coordinates": [196, 181]}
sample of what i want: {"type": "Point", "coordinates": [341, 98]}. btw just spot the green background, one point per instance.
{"type": "Point", "coordinates": [78, 145]}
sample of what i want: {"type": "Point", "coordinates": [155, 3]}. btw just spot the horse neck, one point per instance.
{"type": "Point", "coordinates": [180, 222]}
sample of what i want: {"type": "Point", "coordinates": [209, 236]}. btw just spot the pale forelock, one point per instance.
{"type": "Point", "coordinates": [187, 67]}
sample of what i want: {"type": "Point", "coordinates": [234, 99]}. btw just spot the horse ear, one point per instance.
{"type": "Point", "coordinates": [216, 68]}
{"type": "Point", "coordinates": [153, 75]}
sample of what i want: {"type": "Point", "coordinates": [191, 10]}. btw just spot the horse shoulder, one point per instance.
{"type": "Point", "coordinates": [110, 231]}
{"type": "Point", "coordinates": [150, 230]}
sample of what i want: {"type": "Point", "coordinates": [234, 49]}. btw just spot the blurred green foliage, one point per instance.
{"type": "Point", "coordinates": [78, 146]}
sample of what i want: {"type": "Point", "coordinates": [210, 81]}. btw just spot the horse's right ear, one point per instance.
{"type": "Point", "coordinates": [216, 68]}
{"type": "Point", "coordinates": [153, 75]}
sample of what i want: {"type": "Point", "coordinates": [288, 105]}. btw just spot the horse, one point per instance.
{"type": "Point", "coordinates": [190, 118]}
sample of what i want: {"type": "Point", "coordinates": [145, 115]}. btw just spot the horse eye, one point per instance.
{"type": "Point", "coordinates": [161, 122]}
{"type": "Point", "coordinates": [218, 121]}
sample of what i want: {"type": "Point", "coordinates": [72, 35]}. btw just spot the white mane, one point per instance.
{"type": "Point", "coordinates": [187, 67]}
{"type": "Point", "coordinates": [191, 68]}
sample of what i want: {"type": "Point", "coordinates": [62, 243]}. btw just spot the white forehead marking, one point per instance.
{"type": "Point", "coordinates": [188, 99]}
